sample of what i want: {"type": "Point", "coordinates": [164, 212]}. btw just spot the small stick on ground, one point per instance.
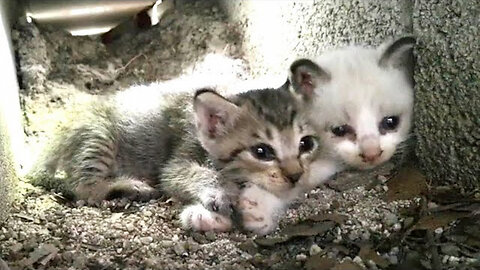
{"type": "Point", "coordinates": [122, 69]}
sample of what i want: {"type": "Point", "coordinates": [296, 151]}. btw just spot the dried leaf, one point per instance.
{"type": "Point", "coordinates": [437, 220]}
{"type": "Point", "coordinates": [271, 241]}
{"type": "Point", "coordinates": [307, 228]}
{"type": "Point", "coordinates": [317, 262]}
{"type": "Point", "coordinates": [347, 266]}
{"type": "Point", "coordinates": [338, 218]}
{"type": "Point", "coordinates": [407, 184]}
{"type": "Point", "coordinates": [248, 246]}
{"type": "Point", "coordinates": [304, 228]}
{"type": "Point", "coordinates": [42, 251]}
{"type": "Point", "coordinates": [452, 194]}
{"type": "Point", "coordinates": [24, 217]}
{"type": "Point", "coordinates": [367, 253]}
{"type": "Point", "coordinates": [338, 247]}
{"type": "Point", "coordinates": [467, 231]}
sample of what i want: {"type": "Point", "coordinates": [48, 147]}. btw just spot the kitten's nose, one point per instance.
{"type": "Point", "coordinates": [291, 169]}
{"type": "Point", "coordinates": [370, 150]}
{"type": "Point", "coordinates": [370, 156]}
{"type": "Point", "coordinates": [293, 178]}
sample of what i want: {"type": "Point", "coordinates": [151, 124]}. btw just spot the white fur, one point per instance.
{"type": "Point", "coordinates": [360, 93]}
{"type": "Point", "coordinates": [260, 209]}
{"type": "Point", "coordinates": [320, 171]}
{"type": "Point", "coordinates": [198, 218]}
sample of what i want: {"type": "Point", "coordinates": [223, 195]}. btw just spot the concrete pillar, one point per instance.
{"type": "Point", "coordinates": [447, 97]}
{"type": "Point", "coordinates": [11, 134]}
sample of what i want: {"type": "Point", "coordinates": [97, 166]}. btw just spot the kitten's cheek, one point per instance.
{"type": "Point", "coordinates": [388, 145]}
{"type": "Point", "coordinates": [349, 152]}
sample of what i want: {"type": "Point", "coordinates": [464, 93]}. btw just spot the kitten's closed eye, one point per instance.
{"type": "Point", "coordinates": [263, 152]}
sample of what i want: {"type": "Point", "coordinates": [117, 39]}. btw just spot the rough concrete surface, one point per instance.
{"type": "Point", "coordinates": [447, 98]}
{"type": "Point", "coordinates": [277, 32]}
{"type": "Point", "coordinates": [7, 173]}
{"type": "Point", "coordinates": [10, 115]}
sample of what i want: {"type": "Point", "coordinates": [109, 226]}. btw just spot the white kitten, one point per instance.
{"type": "Point", "coordinates": [362, 102]}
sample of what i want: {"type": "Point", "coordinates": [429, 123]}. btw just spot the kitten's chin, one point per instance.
{"type": "Point", "coordinates": [361, 165]}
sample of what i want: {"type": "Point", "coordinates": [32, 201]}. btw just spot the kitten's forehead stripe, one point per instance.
{"type": "Point", "coordinates": [276, 106]}
{"type": "Point", "coordinates": [268, 132]}
{"type": "Point", "coordinates": [293, 114]}
{"type": "Point", "coordinates": [232, 155]}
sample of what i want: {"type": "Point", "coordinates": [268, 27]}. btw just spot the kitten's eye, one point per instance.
{"type": "Point", "coordinates": [263, 152]}
{"type": "Point", "coordinates": [389, 122]}
{"type": "Point", "coordinates": [306, 144]}
{"type": "Point", "coordinates": [341, 131]}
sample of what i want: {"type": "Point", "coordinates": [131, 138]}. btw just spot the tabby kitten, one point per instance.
{"type": "Point", "coordinates": [200, 148]}
{"type": "Point", "coordinates": [361, 108]}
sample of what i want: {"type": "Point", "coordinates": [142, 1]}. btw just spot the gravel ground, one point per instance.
{"type": "Point", "coordinates": [398, 223]}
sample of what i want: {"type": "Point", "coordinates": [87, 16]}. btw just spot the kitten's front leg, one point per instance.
{"type": "Point", "coordinates": [198, 218]}
{"type": "Point", "coordinates": [321, 170]}
{"type": "Point", "coordinates": [190, 181]}
{"type": "Point", "coordinates": [260, 210]}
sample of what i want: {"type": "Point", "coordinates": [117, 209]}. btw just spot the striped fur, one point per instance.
{"type": "Point", "coordinates": [157, 145]}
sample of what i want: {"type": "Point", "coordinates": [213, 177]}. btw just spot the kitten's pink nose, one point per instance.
{"type": "Point", "coordinates": [370, 150]}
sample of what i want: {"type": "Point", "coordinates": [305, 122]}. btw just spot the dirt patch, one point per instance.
{"type": "Point", "coordinates": [360, 228]}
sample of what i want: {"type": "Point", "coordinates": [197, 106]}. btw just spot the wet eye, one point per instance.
{"type": "Point", "coordinates": [341, 131]}
{"type": "Point", "coordinates": [389, 122]}
{"type": "Point", "coordinates": [307, 143]}
{"type": "Point", "coordinates": [263, 152]}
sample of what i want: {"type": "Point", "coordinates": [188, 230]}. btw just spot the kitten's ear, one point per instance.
{"type": "Point", "coordinates": [214, 114]}
{"type": "Point", "coordinates": [305, 76]}
{"type": "Point", "coordinates": [399, 54]}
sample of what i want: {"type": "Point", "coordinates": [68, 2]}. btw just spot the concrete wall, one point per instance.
{"type": "Point", "coordinates": [447, 75]}
{"type": "Point", "coordinates": [11, 134]}
{"type": "Point", "coordinates": [448, 90]}
{"type": "Point", "coordinates": [277, 32]}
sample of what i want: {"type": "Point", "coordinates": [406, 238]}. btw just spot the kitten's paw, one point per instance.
{"type": "Point", "coordinates": [198, 218]}
{"type": "Point", "coordinates": [132, 189]}
{"type": "Point", "coordinates": [255, 218]}
{"type": "Point", "coordinates": [259, 210]}
{"type": "Point", "coordinates": [216, 200]}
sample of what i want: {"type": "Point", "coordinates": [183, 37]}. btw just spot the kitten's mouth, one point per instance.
{"type": "Point", "coordinates": [366, 165]}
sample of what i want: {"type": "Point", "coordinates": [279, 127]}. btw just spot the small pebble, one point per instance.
{"type": "Point", "coordinates": [166, 243]}
{"type": "Point", "coordinates": [315, 249]}
{"type": "Point", "coordinates": [445, 259]}
{"type": "Point", "coordinates": [453, 260]}
{"type": "Point", "coordinates": [301, 257]}
{"type": "Point", "coordinates": [146, 240]}
{"type": "Point", "coordinates": [390, 219]}
{"type": "Point", "coordinates": [210, 236]}
{"type": "Point", "coordinates": [393, 259]}
{"type": "Point", "coordinates": [179, 249]}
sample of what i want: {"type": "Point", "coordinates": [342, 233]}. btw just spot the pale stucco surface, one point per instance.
{"type": "Point", "coordinates": [11, 135]}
